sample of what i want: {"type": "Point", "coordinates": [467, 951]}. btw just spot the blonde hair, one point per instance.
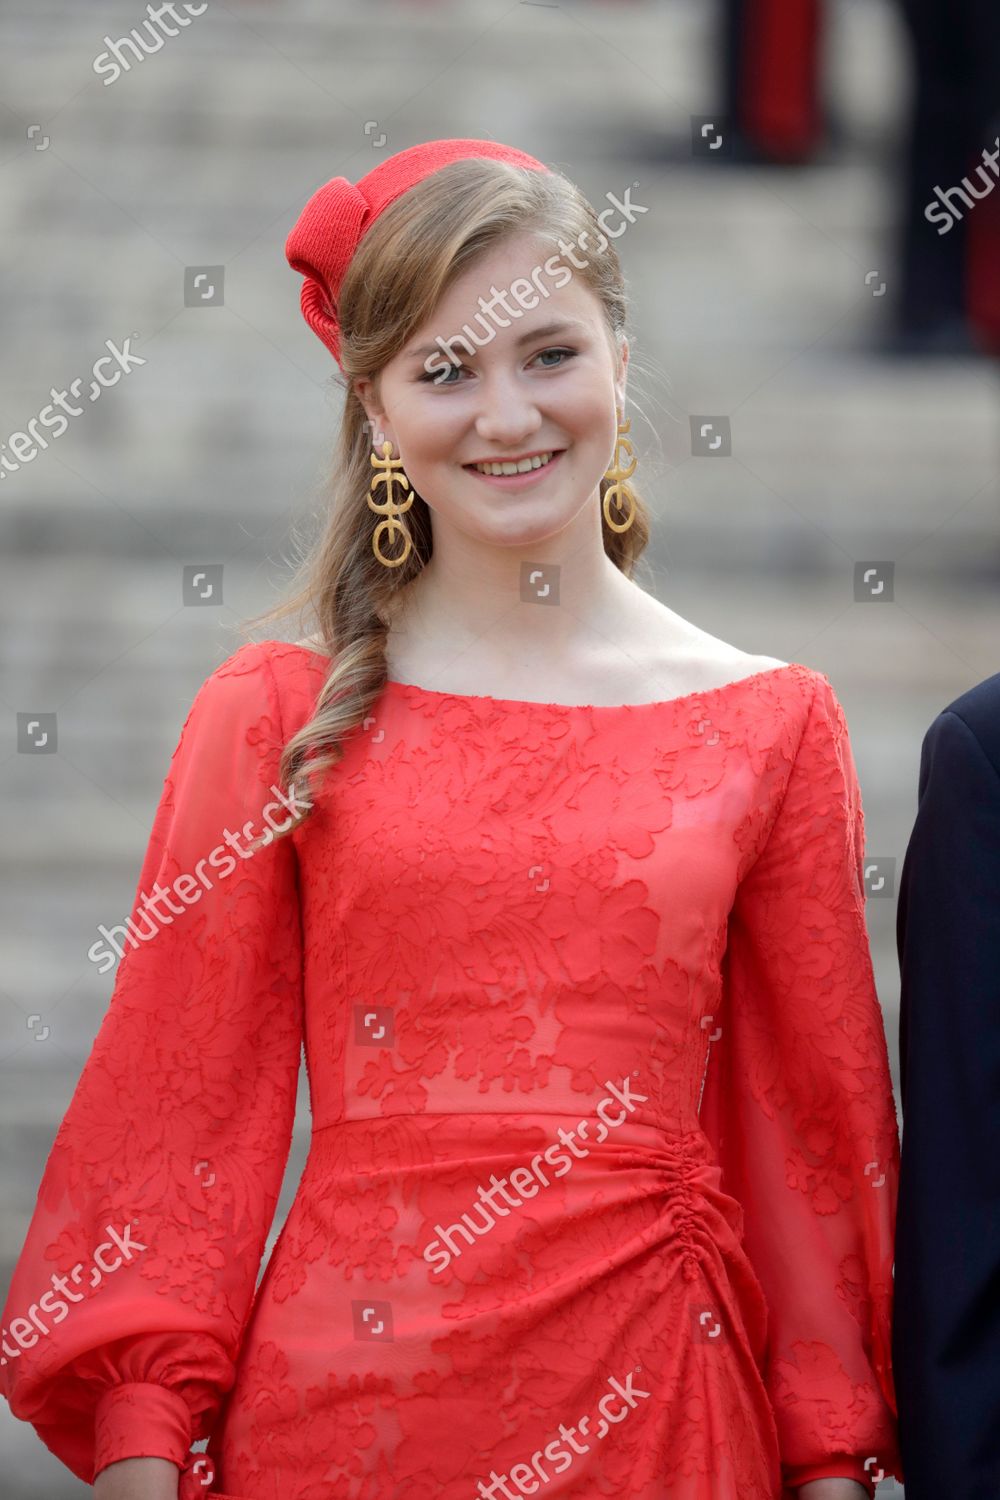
{"type": "Point", "coordinates": [403, 265]}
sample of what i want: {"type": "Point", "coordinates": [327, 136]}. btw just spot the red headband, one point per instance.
{"type": "Point", "coordinates": [339, 213]}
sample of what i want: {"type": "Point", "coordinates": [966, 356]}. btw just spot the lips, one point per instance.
{"type": "Point", "coordinates": [517, 480]}
{"type": "Point", "coordinates": [519, 458]}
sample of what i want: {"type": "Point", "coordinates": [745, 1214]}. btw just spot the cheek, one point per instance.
{"type": "Point", "coordinates": [588, 415]}
{"type": "Point", "coordinates": [433, 437]}
{"type": "Point", "coordinates": [431, 443]}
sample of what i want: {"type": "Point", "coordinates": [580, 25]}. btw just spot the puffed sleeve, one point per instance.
{"type": "Point", "coordinates": [139, 1267]}
{"type": "Point", "coordinates": [798, 1100]}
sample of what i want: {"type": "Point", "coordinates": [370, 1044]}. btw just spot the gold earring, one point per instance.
{"type": "Point", "coordinates": [390, 472]}
{"type": "Point", "coordinates": [619, 491]}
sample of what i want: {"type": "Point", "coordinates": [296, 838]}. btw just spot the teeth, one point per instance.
{"type": "Point", "coordinates": [523, 467]}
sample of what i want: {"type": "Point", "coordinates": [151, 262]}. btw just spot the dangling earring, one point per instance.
{"type": "Point", "coordinates": [619, 491]}
{"type": "Point", "coordinates": [390, 472]}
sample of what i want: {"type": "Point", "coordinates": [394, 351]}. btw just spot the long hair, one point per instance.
{"type": "Point", "coordinates": [402, 267]}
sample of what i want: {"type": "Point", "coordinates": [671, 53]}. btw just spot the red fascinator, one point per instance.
{"type": "Point", "coordinates": [340, 212]}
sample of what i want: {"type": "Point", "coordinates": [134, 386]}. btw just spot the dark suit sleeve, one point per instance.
{"type": "Point", "coordinates": [946, 1327]}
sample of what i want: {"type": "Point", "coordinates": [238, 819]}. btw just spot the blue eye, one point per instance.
{"type": "Point", "coordinates": [569, 353]}
{"type": "Point", "coordinates": [440, 378]}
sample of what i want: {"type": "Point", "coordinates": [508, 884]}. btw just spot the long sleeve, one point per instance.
{"type": "Point", "coordinates": [798, 1101]}
{"type": "Point", "coordinates": [123, 1319]}
{"type": "Point", "coordinates": [946, 1334]}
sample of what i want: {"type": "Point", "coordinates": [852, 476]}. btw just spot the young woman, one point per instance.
{"type": "Point", "coordinates": [563, 898]}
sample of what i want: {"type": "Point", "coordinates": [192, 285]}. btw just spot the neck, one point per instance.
{"type": "Point", "coordinates": [510, 602]}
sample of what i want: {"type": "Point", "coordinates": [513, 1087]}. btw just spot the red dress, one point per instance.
{"type": "Point", "coordinates": [600, 1194]}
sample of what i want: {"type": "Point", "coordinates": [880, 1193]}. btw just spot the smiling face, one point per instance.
{"type": "Point", "coordinates": [530, 389]}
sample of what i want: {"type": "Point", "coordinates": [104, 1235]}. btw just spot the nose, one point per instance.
{"type": "Point", "coordinates": [507, 415]}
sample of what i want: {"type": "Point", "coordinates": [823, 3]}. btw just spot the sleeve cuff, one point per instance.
{"type": "Point", "coordinates": [838, 1466]}
{"type": "Point", "coordinates": [140, 1420]}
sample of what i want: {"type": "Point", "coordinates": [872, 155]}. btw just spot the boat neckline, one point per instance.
{"type": "Point", "coordinates": [607, 708]}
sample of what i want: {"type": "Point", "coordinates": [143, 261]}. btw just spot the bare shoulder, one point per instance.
{"type": "Point", "coordinates": [759, 663]}
{"type": "Point", "coordinates": [711, 664]}
{"type": "Point", "coordinates": [690, 656]}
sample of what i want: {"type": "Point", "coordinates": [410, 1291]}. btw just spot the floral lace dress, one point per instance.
{"type": "Point", "coordinates": [600, 1193]}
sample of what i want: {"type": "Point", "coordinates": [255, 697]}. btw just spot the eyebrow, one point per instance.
{"type": "Point", "coordinates": [543, 331]}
